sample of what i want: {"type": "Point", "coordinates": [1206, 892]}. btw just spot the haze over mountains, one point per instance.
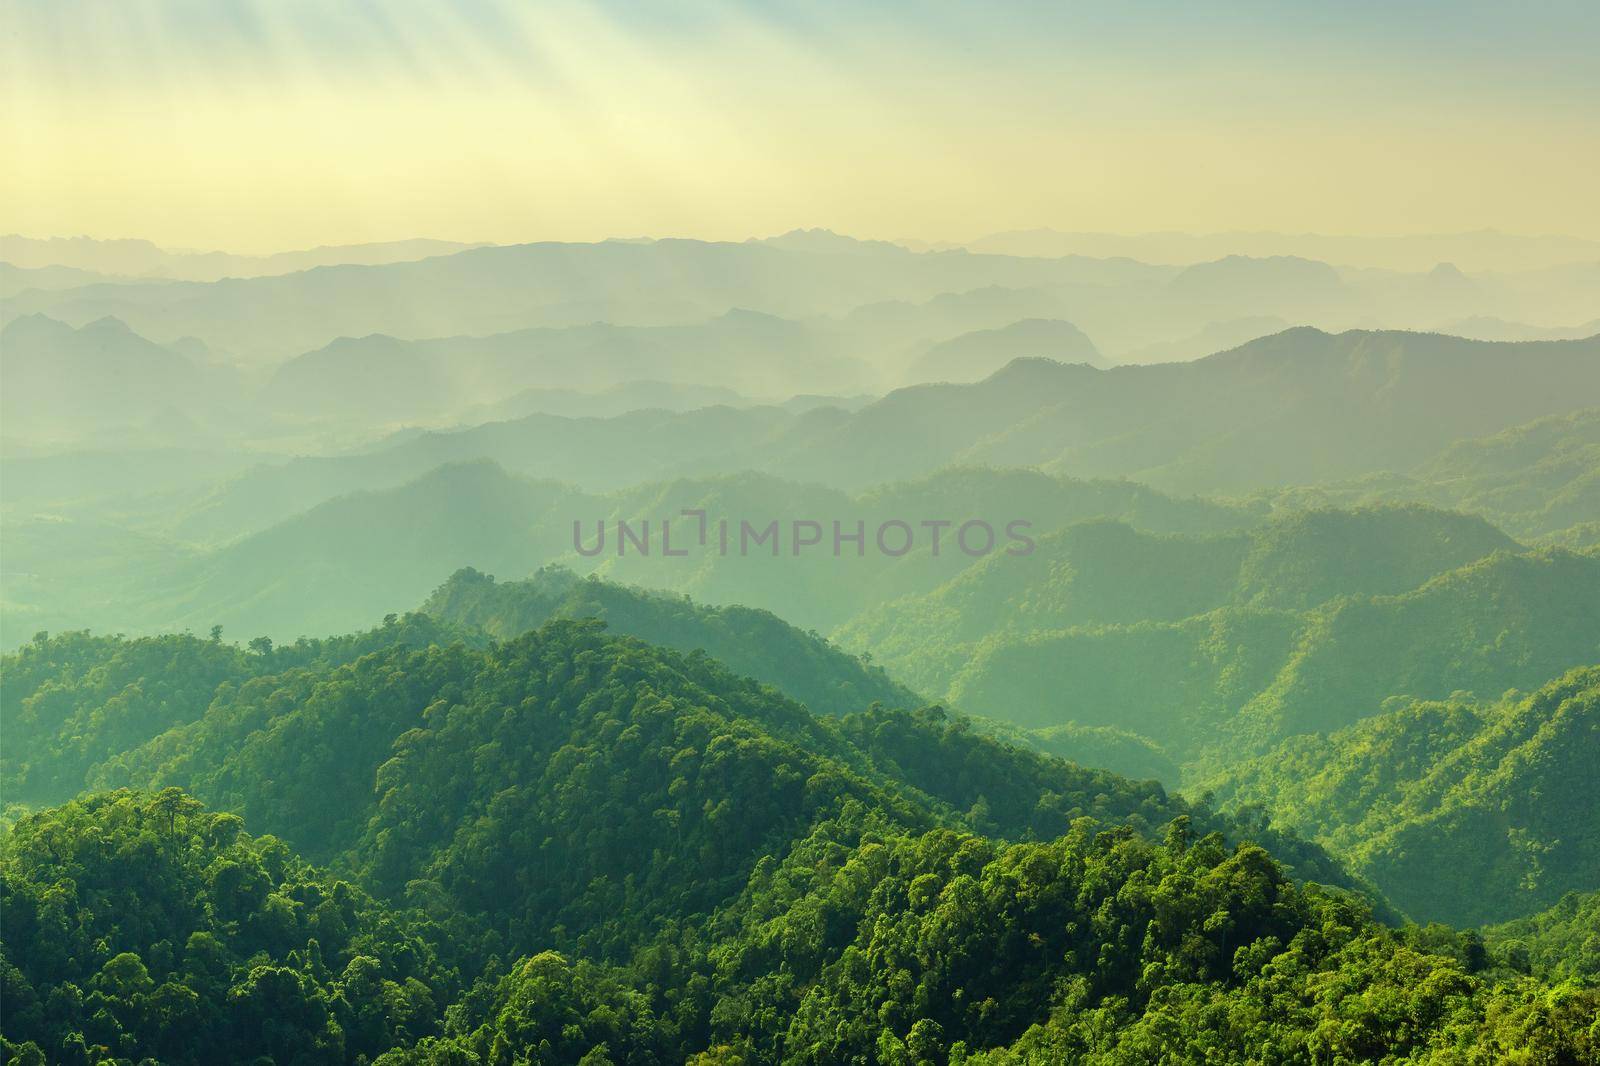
{"type": "Point", "coordinates": [1483, 250]}
{"type": "Point", "coordinates": [116, 259]}
{"type": "Point", "coordinates": [1041, 538]}
{"type": "Point", "coordinates": [325, 347]}
{"type": "Point", "coordinates": [657, 368]}
{"type": "Point", "coordinates": [479, 588]}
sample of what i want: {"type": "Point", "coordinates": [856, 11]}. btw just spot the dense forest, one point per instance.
{"type": "Point", "coordinates": [420, 845]}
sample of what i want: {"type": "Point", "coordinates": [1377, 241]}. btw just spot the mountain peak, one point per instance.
{"type": "Point", "coordinates": [34, 326]}
{"type": "Point", "coordinates": [826, 240]}
{"type": "Point", "coordinates": [108, 326]}
{"type": "Point", "coordinates": [1449, 276]}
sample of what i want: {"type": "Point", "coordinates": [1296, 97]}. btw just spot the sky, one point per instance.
{"type": "Point", "coordinates": [262, 125]}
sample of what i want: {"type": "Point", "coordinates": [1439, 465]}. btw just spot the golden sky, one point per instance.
{"type": "Point", "coordinates": [259, 125]}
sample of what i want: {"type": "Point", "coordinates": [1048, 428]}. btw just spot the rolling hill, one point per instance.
{"type": "Point", "coordinates": [1109, 573]}
{"type": "Point", "coordinates": [755, 643]}
{"type": "Point", "coordinates": [1215, 688]}
{"type": "Point", "coordinates": [1496, 793]}
{"type": "Point", "coordinates": [594, 847]}
{"type": "Point", "coordinates": [976, 355]}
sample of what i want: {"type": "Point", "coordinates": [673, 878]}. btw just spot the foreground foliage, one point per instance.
{"type": "Point", "coordinates": [576, 847]}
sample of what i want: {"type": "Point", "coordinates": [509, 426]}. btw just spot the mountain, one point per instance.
{"type": "Point", "coordinates": [60, 383]}
{"type": "Point", "coordinates": [364, 554]}
{"type": "Point", "coordinates": [483, 291]}
{"type": "Point", "coordinates": [880, 302]}
{"type": "Point", "coordinates": [1108, 573]}
{"type": "Point", "coordinates": [1490, 328]}
{"type": "Point", "coordinates": [600, 851]}
{"type": "Point", "coordinates": [1543, 476]}
{"type": "Point", "coordinates": [1297, 407]}
{"type": "Point", "coordinates": [1117, 750]}
{"type": "Point", "coordinates": [137, 258]}
{"type": "Point", "coordinates": [383, 378]}
{"type": "Point", "coordinates": [620, 399]}
{"type": "Point", "coordinates": [599, 454]}
{"type": "Point", "coordinates": [197, 942]}
{"type": "Point", "coordinates": [15, 279]}
{"type": "Point", "coordinates": [820, 587]}
{"type": "Point", "coordinates": [1481, 250]}
{"type": "Point", "coordinates": [825, 240]}
{"type": "Point", "coordinates": [755, 643]}
{"type": "Point", "coordinates": [374, 379]}
{"type": "Point", "coordinates": [1507, 621]}
{"type": "Point", "coordinates": [253, 729]}
{"type": "Point", "coordinates": [76, 702]}
{"type": "Point", "coordinates": [1235, 285]}
{"type": "Point", "coordinates": [1219, 687]}
{"type": "Point", "coordinates": [1221, 336]}
{"type": "Point", "coordinates": [1493, 793]}
{"type": "Point", "coordinates": [1565, 939]}
{"type": "Point", "coordinates": [976, 355]}
{"type": "Point", "coordinates": [1539, 481]}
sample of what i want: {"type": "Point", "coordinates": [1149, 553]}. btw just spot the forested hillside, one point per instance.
{"type": "Point", "coordinates": [1499, 795]}
{"type": "Point", "coordinates": [1538, 481]}
{"type": "Point", "coordinates": [1106, 573]}
{"type": "Point", "coordinates": [141, 927]}
{"type": "Point", "coordinates": [353, 558]}
{"type": "Point", "coordinates": [1563, 939]}
{"type": "Point", "coordinates": [285, 547]}
{"type": "Point", "coordinates": [1251, 676]}
{"type": "Point", "coordinates": [717, 872]}
{"type": "Point", "coordinates": [757, 644]}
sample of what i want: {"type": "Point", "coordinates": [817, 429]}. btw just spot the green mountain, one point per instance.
{"type": "Point", "coordinates": [1108, 573]}
{"type": "Point", "coordinates": [366, 554]}
{"type": "Point", "coordinates": [1507, 621]}
{"type": "Point", "coordinates": [755, 643]}
{"type": "Point", "coordinates": [320, 741]}
{"type": "Point", "coordinates": [821, 589]}
{"type": "Point", "coordinates": [1220, 686]}
{"type": "Point", "coordinates": [1497, 795]}
{"type": "Point", "coordinates": [73, 702]}
{"type": "Point", "coordinates": [1117, 750]}
{"type": "Point", "coordinates": [1314, 407]}
{"type": "Point", "coordinates": [1297, 407]}
{"type": "Point", "coordinates": [1539, 481]}
{"type": "Point", "coordinates": [599, 454]}
{"type": "Point", "coordinates": [144, 928]}
{"type": "Point", "coordinates": [591, 849]}
{"type": "Point", "coordinates": [1563, 939]}
{"type": "Point", "coordinates": [361, 556]}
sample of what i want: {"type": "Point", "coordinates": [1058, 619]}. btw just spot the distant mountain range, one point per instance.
{"type": "Point", "coordinates": [1298, 409]}
{"type": "Point", "coordinates": [272, 310]}
{"type": "Point", "coordinates": [976, 355]}
{"type": "Point", "coordinates": [64, 384]}
{"type": "Point", "coordinates": [381, 378]}
{"type": "Point", "coordinates": [1483, 250]}
{"type": "Point", "coordinates": [117, 259]}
